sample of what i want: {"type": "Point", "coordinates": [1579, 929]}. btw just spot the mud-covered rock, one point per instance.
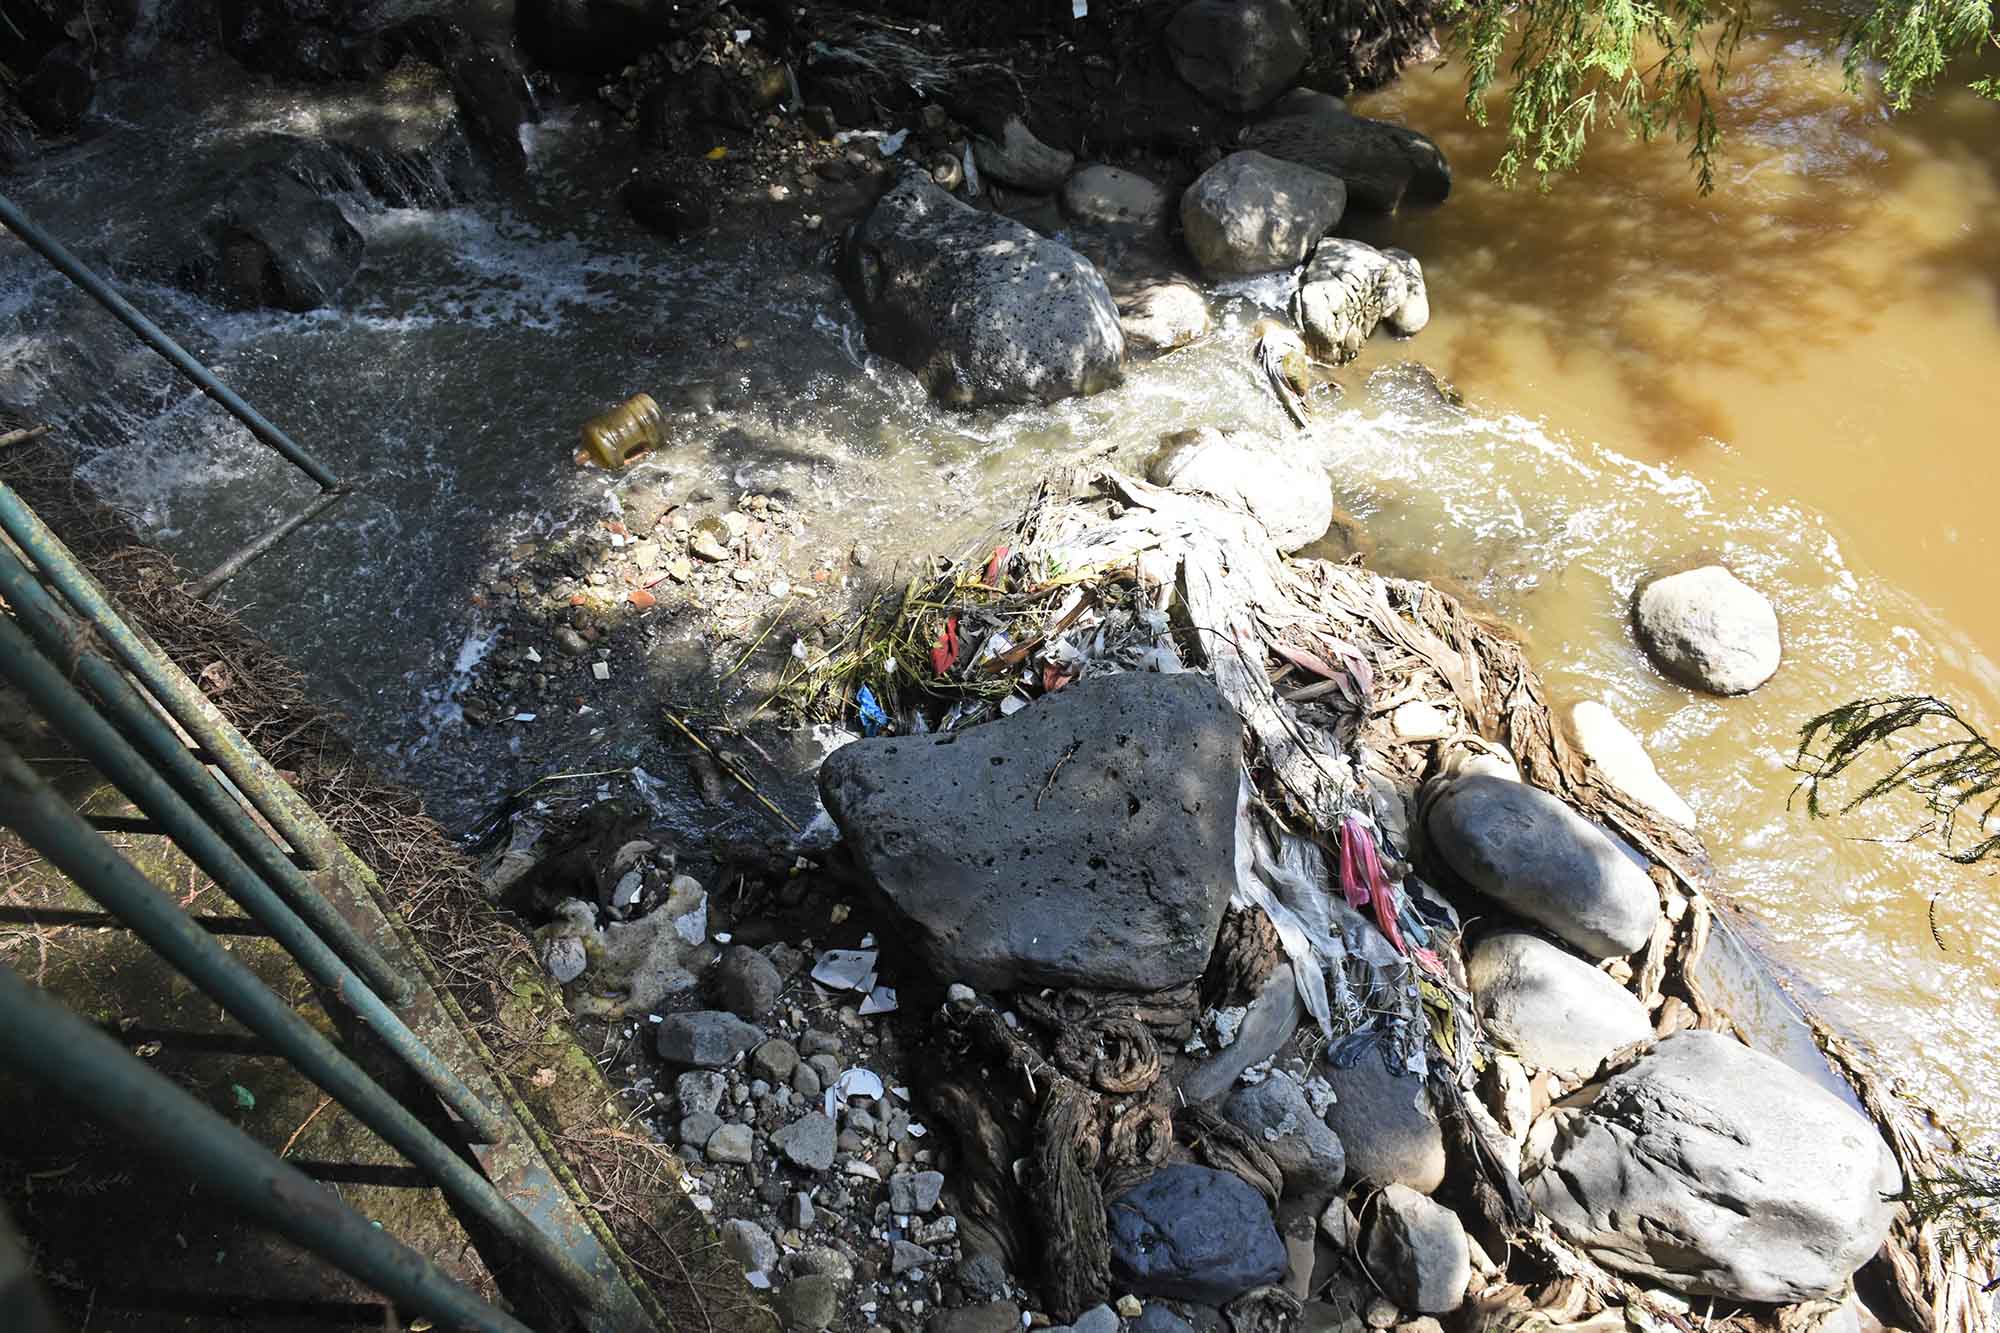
{"type": "Point", "coordinates": [1716, 1170]}
{"type": "Point", "coordinates": [1088, 840]}
{"type": "Point", "coordinates": [1526, 849]}
{"type": "Point", "coordinates": [1251, 213]}
{"type": "Point", "coordinates": [980, 307]}
{"type": "Point", "coordinates": [1113, 196]}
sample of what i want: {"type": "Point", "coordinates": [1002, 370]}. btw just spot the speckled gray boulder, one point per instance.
{"type": "Point", "coordinates": [1527, 850]}
{"type": "Point", "coordinates": [1349, 288]}
{"type": "Point", "coordinates": [982, 308]}
{"type": "Point", "coordinates": [1088, 840]}
{"type": "Point", "coordinates": [709, 1038]}
{"type": "Point", "coordinates": [1559, 1011]}
{"type": "Point", "coordinates": [1194, 1234]}
{"type": "Point", "coordinates": [1716, 1170]}
{"type": "Point", "coordinates": [1708, 629]}
{"type": "Point", "coordinates": [1250, 214]}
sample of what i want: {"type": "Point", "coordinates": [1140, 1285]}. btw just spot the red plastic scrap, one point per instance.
{"type": "Point", "coordinates": [1364, 882]}
{"type": "Point", "coordinates": [1054, 677]}
{"type": "Point", "coordinates": [945, 656]}
{"type": "Point", "coordinates": [993, 566]}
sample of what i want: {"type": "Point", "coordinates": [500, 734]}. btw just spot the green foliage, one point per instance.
{"type": "Point", "coordinates": [1648, 66]}
{"type": "Point", "coordinates": [1947, 764]}
{"type": "Point", "coordinates": [1653, 66]}
{"type": "Point", "coordinates": [1963, 1198]}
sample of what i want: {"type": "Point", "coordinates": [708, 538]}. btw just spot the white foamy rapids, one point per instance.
{"type": "Point", "coordinates": [441, 710]}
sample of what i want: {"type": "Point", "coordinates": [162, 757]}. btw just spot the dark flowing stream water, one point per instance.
{"type": "Point", "coordinates": [1795, 374]}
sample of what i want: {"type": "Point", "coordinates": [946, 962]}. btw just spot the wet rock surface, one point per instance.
{"type": "Point", "coordinates": [1251, 213]}
{"type": "Point", "coordinates": [1708, 629]}
{"type": "Point", "coordinates": [1195, 1234]}
{"type": "Point", "coordinates": [980, 307]}
{"type": "Point", "coordinates": [1526, 849]}
{"type": "Point", "coordinates": [1289, 494]}
{"type": "Point", "coordinates": [1118, 879]}
{"type": "Point", "coordinates": [1715, 1170]}
{"type": "Point", "coordinates": [1349, 288]}
{"type": "Point", "coordinates": [1558, 1011]}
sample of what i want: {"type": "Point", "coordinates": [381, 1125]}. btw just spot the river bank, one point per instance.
{"type": "Point", "coordinates": [524, 541]}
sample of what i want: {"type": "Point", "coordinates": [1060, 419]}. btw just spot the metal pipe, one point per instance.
{"type": "Point", "coordinates": [62, 641]}
{"type": "Point", "coordinates": [199, 375]}
{"type": "Point", "coordinates": [233, 566]}
{"type": "Point", "coordinates": [196, 712]}
{"type": "Point", "coordinates": [32, 808]}
{"type": "Point", "coordinates": [96, 740]}
{"type": "Point", "coordinates": [45, 1042]}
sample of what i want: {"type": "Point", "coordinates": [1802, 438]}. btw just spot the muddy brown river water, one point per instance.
{"type": "Point", "coordinates": [1799, 374]}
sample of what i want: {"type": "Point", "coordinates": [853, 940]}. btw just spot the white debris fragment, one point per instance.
{"type": "Point", "coordinates": [1011, 705]}
{"type": "Point", "coordinates": [532, 655]}
{"type": "Point", "coordinates": [852, 1083]}
{"type": "Point", "coordinates": [846, 969]}
{"type": "Point", "coordinates": [626, 891]}
{"type": "Point", "coordinates": [881, 1000]}
{"type": "Point", "coordinates": [524, 717]}
{"type": "Point", "coordinates": [601, 670]}
{"type": "Point", "coordinates": [893, 144]}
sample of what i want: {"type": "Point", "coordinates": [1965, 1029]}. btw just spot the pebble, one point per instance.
{"type": "Point", "coordinates": [749, 1245]}
{"type": "Point", "coordinates": [808, 1303]}
{"type": "Point", "coordinates": [776, 1060]}
{"type": "Point", "coordinates": [903, 1256]}
{"type": "Point", "coordinates": [696, 1128]}
{"type": "Point", "coordinates": [731, 1143]}
{"type": "Point", "coordinates": [570, 641]}
{"type": "Point", "coordinates": [808, 1142]}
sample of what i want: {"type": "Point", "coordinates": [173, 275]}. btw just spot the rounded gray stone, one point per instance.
{"type": "Point", "coordinates": [731, 1143]}
{"type": "Point", "coordinates": [807, 1304]}
{"type": "Point", "coordinates": [1708, 629]}
{"type": "Point", "coordinates": [1417, 1251]}
{"type": "Point", "coordinates": [1387, 1138]}
{"type": "Point", "coordinates": [1532, 853]}
{"type": "Point", "coordinates": [1275, 1114]}
{"type": "Point", "coordinates": [808, 1143]}
{"type": "Point", "coordinates": [1238, 54]}
{"type": "Point", "coordinates": [1560, 1012]}
{"type": "Point", "coordinates": [708, 1038]}
{"type": "Point", "coordinates": [747, 983]}
{"type": "Point", "coordinates": [1250, 213]}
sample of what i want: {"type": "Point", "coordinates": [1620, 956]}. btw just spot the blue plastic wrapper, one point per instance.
{"type": "Point", "coordinates": [873, 719]}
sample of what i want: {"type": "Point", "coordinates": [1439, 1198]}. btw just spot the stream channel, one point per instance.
{"type": "Point", "coordinates": [1795, 374]}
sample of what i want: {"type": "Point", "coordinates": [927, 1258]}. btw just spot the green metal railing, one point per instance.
{"type": "Point", "coordinates": [117, 701]}
{"type": "Point", "coordinates": [127, 735]}
{"type": "Point", "coordinates": [332, 488]}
